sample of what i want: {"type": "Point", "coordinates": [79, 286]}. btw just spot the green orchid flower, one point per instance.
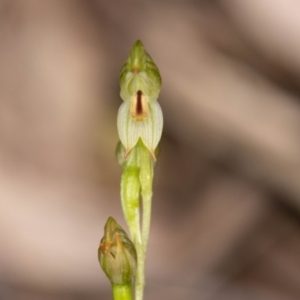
{"type": "Point", "coordinates": [140, 116]}
{"type": "Point", "coordinates": [117, 254]}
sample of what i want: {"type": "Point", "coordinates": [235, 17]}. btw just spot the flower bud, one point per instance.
{"type": "Point", "coordinates": [140, 72]}
{"type": "Point", "coordinates": [140, 116]}
{"type": "Point", "coordinates": [117, 254]}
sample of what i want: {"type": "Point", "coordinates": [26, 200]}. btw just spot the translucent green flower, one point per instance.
{"type": "Point", "coordinates": [117, 254]}
{"type": "Point", "coordinates": [140, 116]}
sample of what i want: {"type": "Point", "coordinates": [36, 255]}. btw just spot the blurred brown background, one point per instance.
{"type": "Point", "coordinates": [227, 185]}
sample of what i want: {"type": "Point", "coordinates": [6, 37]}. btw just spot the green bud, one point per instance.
{"type": "Point", "coordinates": [117, 254]}
{"type": "Point", "coordinates": [140, 72]}
{"type": "Point", "coordinates": [140, 116]}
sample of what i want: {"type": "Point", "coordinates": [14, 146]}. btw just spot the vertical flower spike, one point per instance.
{"type": "Point", "coordinates": [140, 116]}
{"type": "Point", "coordinates": [117, 254]}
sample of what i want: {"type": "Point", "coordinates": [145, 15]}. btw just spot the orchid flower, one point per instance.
{"type": "Point", "coordinates": [140, 116]}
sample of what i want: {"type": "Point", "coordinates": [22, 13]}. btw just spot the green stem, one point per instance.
{"type": "Point", "coordinates": [140, 272]}
{"type": "Point", "coordinates": [122, 291]}
{"type": "Point", "coordinates": [130, 198]}
{"type": "Point", "coordinates": [137, 180]}
{"type": "Point", "coordinates": [146, 179]}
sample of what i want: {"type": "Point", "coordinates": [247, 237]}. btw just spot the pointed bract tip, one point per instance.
{"type": "Point", "coordinates": [138, 43]}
